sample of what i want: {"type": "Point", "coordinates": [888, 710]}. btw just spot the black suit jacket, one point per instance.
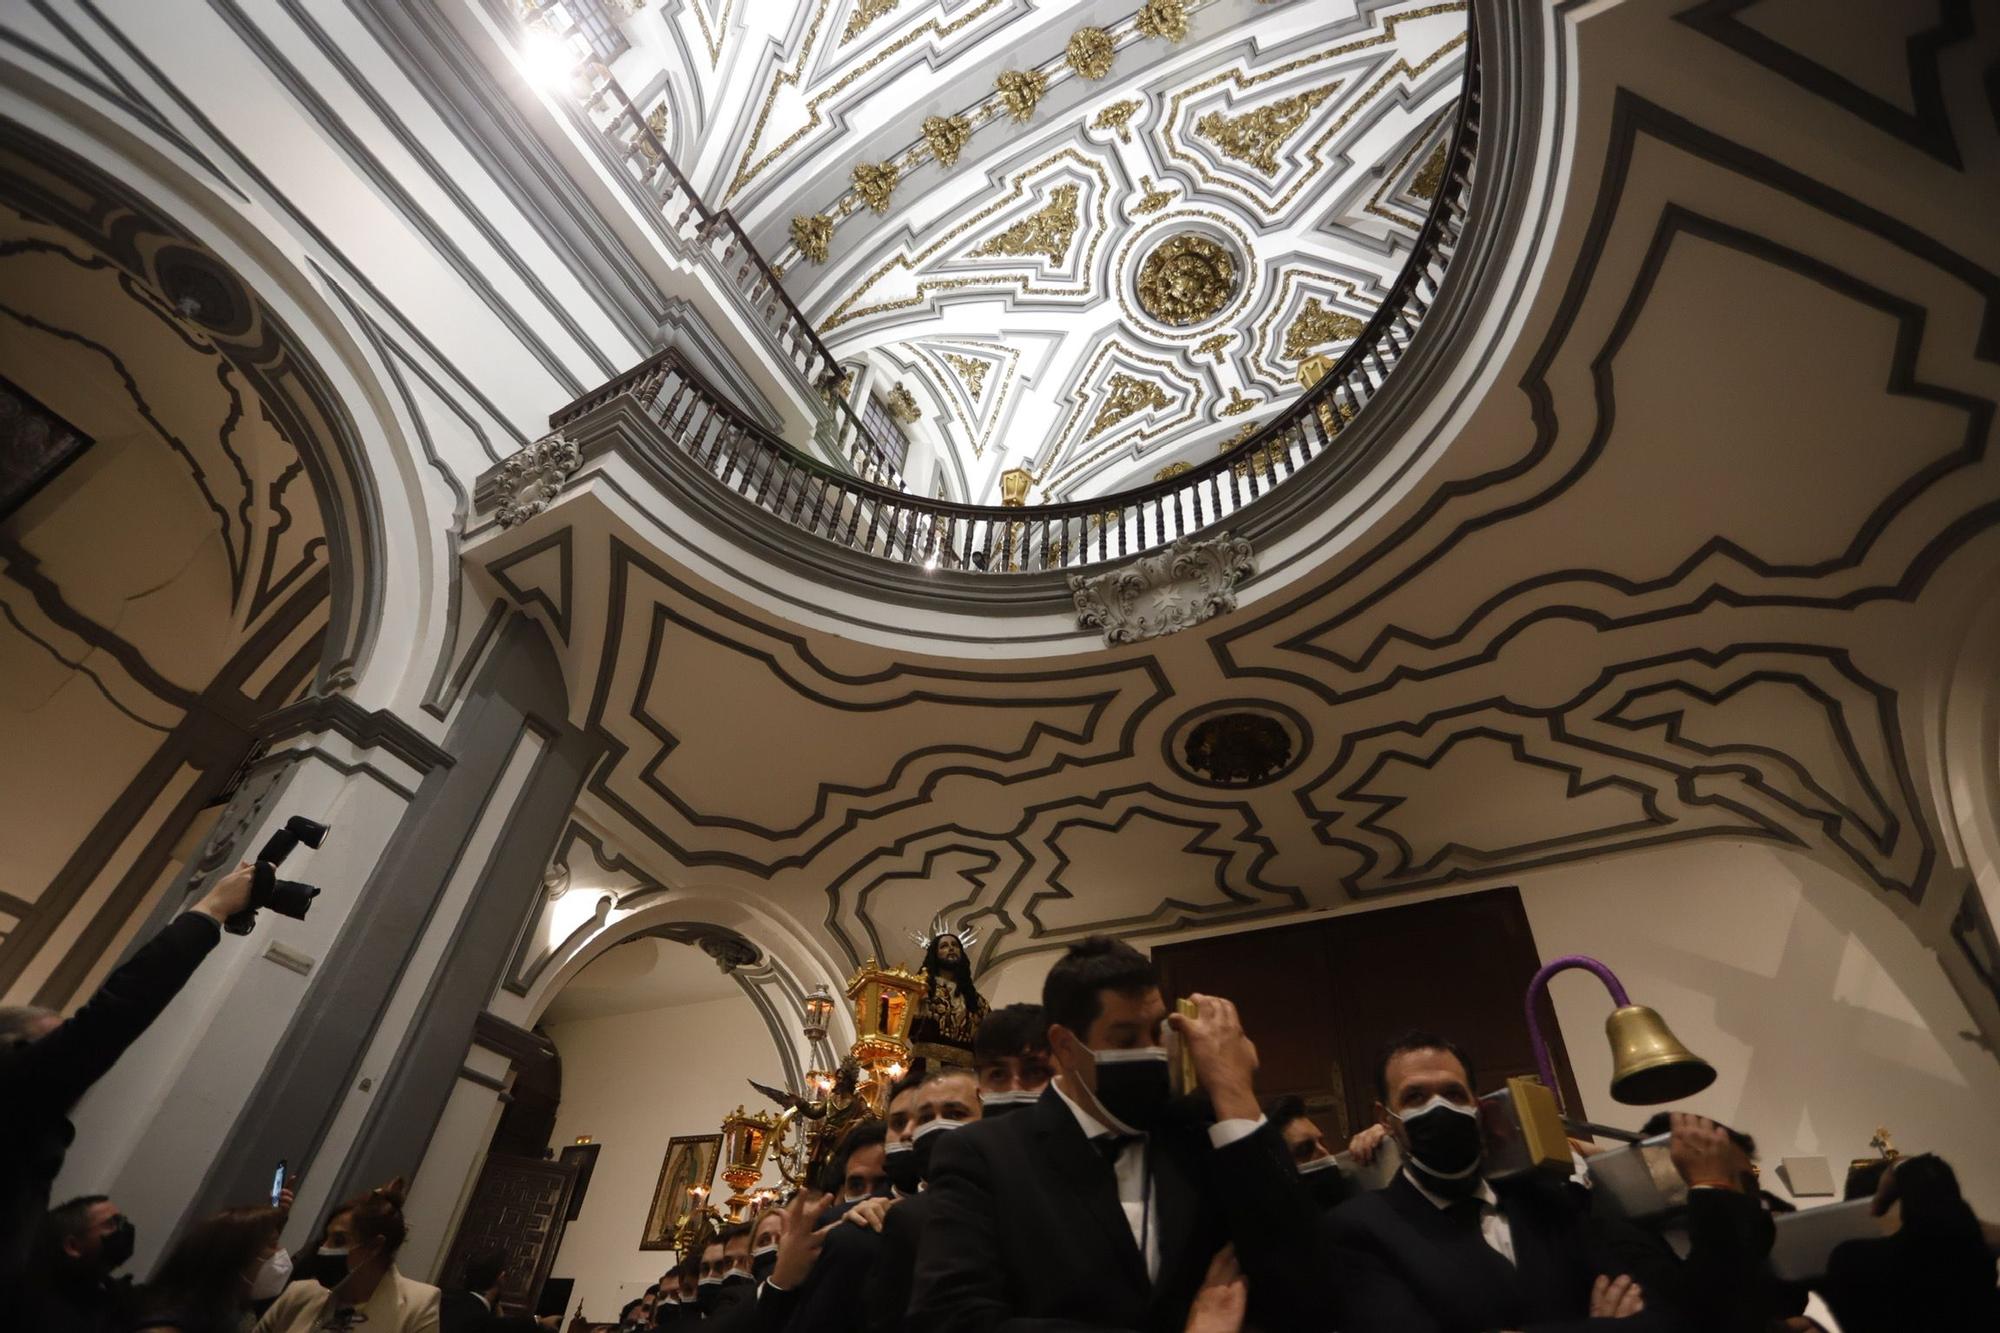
{"type": "Point", "coordinates": [830, 1300]}
{"type": "Point", "coordinates": [463, 1312]}
{"type": "Point", "coordinates": [1406, 1266]}
{"type": "Point", "coordinates": [1890, 1284]}
{"type": "Point", "coordinates": [1023, 1231]}
{"type": "Point", "coordinates": [887, 1298]}
{"type": "Point", "coordinates": [40, 1081]}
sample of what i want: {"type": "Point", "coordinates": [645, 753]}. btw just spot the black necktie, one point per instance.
{"type": "Point", "coordinates": [1465, 1213]}
{"type": "Point", "coordinates": [1112, 1146]}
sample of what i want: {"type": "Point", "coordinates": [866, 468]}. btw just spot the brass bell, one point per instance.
{"type": "Point", "coordinates": [1648, 1063]}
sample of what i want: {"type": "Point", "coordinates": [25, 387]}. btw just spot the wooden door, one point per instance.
{"type": "Point", "coordinates": [1321, 998]}
{"type": "Point", "coordinates": [519, 1205]}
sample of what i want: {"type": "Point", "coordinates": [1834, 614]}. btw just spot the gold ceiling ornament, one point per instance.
{"type": "Point", "coordinates": [864, 13]}
{"type": "Point", "coordinates": [812, 233]}
{"type": "Point", "coordinates": [1255, 136]}
{"type": "Point", "coordinates": [1164, 19]}
{"type": "Point", "coordinates": [657, 124]}
{"type": "Point", "coordinates": [1020, 90]}
{"type": "Point", "coordinates": [1172, 470]}
{"type": "Point", "coordinates": [1424, 185]}
{"type": "Point", "coordinates": [946, 135]}
{"type": "Point", "coordinates": [1267, 462]}
{"type": "Point", "coordinates": [875, 182]}
{"type": "Point", "coordinates": [1316, 326]}
{"type": "Point", "coordinates": [1238, 404]}
{"type": "Point", "coordinates": [1186, 279]}
{"type": "Point", "coordinates": [1243, 432]}
{"type": "Point", "coordinates": [1152, 200]}
{"type": "Point", "coordinates": [1118, 116]}
{"type": "Point", "coordinates": [1089, 52]}
{"type": "Point", "coordinates": [1128, 396]}
{"type": "Point", "coordinates": [1046, 231]}
{"type": "Point", "coordinates": [972, 370]}
{"type": "Point", "coordinates": [902, 406]}
{"type": "Point", "coordinates": [835, 386]}
{"type": "Point", "coordinates": [1213, 344]}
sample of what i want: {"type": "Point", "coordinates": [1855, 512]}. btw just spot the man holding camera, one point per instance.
{"type": "Point", "coordinates": [47, 1063]}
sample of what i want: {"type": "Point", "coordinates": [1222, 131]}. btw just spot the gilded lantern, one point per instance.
{"type": "Point", "coordinates": [1014, 484]}
{"type": "Point", "coordinates": [885, 1004]}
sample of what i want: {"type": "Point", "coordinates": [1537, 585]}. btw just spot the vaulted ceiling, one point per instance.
{"type": "Point", "coordinates": [1690, 559]}
{"type": "Point", "coordinates": [1092, 239]}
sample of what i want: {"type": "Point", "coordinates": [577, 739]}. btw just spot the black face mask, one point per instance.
{"type": "Point", "coordinates": [1134, 1086]}
{"type": "Point", "coordinates": [926, 1141]}
{"type": "Point", "coordinates": [762, 1264]}
{"type": "Point", "coordinates": [1446, 1144]}
{"type": "Point", "coordinates": [707, 1296]}
{"type": "Point", "coordinates": [115, 1250]}
{"type": "Point", "coordinates": [1325, 1186]}
{"type": "Point", "coordinates": [329, 1270]}
{"type": "Point", "coordinates": [735, 1277]}
{"type": "Point", "coordinates": [901, 1164]}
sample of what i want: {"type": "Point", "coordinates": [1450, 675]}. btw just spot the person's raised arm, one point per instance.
{"type": "Point", "coordinates": [61, 1066]}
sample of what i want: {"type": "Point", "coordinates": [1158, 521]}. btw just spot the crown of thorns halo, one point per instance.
{"type": "Point", "coordinates": [967, 935]}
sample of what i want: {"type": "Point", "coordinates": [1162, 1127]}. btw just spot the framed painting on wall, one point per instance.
{"type": "Point", "coordinates": [690, 1162]}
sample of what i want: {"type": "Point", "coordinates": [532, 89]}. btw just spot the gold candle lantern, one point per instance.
{"type": "Point", "coordinates": [1014, 484]}
{"type": "Point", "coordinates": [885, 1004]}
{"type": "Point", "coordinates": [745, 1141]}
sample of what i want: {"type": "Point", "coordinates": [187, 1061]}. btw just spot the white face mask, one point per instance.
{"type": "Point", "coordinates": [1327, 1163]}
{"type": "Point", "coordinates": [763, 1250]}
{"type": "Point", "coordinates": [273, 1276]}
{"type": "Point", "coordinates": [712, 1281]}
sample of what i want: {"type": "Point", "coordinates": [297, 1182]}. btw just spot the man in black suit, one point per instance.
{"type": "Point", "coordinates": [945, 1101]}
{"type": "Point", "coordinates": [1103, 1205]}
{"type": "Point", "coordinates": [47, 1064]}
{"type": "Point", "coordinates": [1440, 1250]}
{"type": "Point", "coordinates": [475, 1307]}
{"type": "Point", "coordinates": [1307, 1146]}
{"type": "Point", "coordinates": [82, 1243]}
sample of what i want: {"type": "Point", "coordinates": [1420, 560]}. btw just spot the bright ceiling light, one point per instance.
{"type": "Point", "coordinates": [546, 60]}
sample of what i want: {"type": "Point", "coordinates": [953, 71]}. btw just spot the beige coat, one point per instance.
{"type": "Point", "coordinates": [398, 1305]}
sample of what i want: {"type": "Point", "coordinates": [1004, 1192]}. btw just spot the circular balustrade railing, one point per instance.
{"type": "Point", "coordinates": [704, 426]}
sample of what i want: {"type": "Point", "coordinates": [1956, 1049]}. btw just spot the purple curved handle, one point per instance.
{"type": "Point", "coordinates": [1541, 984]}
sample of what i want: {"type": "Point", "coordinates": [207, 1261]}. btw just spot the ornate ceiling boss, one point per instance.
{"type": "Point", "coordinates": [1186, 279]}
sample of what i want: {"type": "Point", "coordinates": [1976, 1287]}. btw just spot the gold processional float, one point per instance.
{"type": "Point", "coordinates": [900, 1018]}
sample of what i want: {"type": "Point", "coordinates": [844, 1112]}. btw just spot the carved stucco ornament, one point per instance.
{"type": "Point", "coordinates": [947, 137]}
{"type": "Point", "coordinates": [1162, 19]}
{"type": "Point", "coordinates": [812, 233]}
{"type": "Point", "coordinates": [1187, 278]}
{"type": "Point", "coordinates": [1090, 52]}
{"type": "Point", "coordinates": [532, 478]}
{"type": "Point", "coordinates": [875, 182]}
{"type": "Point", "coordinates": [1020, 90]}
{"type": "Point", "coordinates": [1168, 591]}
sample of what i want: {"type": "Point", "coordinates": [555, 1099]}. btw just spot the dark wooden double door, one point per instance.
{"type": "Point", "coordinates": [1321, 998]}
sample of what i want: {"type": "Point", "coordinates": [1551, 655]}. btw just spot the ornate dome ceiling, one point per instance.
{"type": "Point", "coordinates": [1093, 239]}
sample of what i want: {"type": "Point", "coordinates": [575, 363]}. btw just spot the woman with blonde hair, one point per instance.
{"type": "Point", "coordinates": [351, 1278]}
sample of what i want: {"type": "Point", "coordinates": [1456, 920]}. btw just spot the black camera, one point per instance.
{"type": "Point", "coordinates": [286, 897]}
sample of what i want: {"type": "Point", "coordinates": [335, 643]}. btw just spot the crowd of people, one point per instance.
{"type": "Point", "coordinates": [1058, 1185]}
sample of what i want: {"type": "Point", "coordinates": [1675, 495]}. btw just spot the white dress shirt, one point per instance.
{"type": "Point", "coordinates": [1142, 1210]}
{"type": "Point", "coordinates": [1494, 1228]}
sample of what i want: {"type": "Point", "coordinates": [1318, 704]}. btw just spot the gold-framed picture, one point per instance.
{"type": "Point", "coordinates": [690, 1161]}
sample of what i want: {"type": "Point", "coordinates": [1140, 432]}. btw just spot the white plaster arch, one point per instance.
{"type": "Point", "coordinates": [792, 962]}
{"type": "Point", "coordinates": [399, 517]}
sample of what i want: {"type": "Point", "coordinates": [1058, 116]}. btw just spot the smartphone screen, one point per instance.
{"type": "Point", "coordinates": [277, 1182]}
